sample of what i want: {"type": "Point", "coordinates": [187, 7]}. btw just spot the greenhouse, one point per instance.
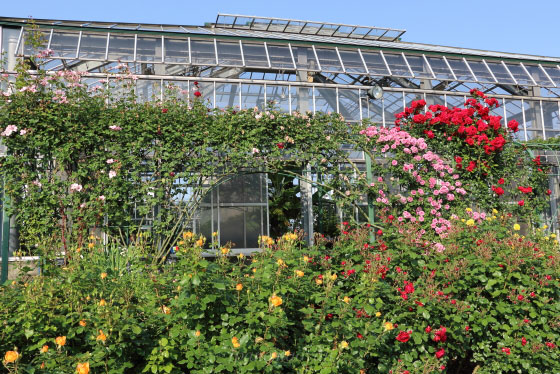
{"type": "Point", "coordinates": [244, 62]}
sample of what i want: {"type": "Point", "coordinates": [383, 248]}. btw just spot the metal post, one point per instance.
{"type": "Point", "coordinates": [5, 229]}
{"type": "Point", "coordinates": [307, 203]}
{"type": "Point", "coordinates": [371, 212]}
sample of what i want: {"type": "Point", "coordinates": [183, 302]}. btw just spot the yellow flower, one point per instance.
{"type": "Point", "coordinates": [546, 238]}
{"type": "Point", "coordinates": [199, 242]}
{"type": "Point", "coordinates": [275, 300]}
{"type": "Point", "coordinates": [225, 250]}
{"type": "Point", "coordinates": [215, 234]}
{"type": "Point", "coordinates": [82, 323]}
{"type": "Point", "coordinates": [516, 227]}
{"type": "Point", "coordinates": [254, 270]}
{"type": "Point", "coordinates": [91, 245]}
{"type": "Point", "coordinates": [319, 281]}
{"type": "Point", "coordinates": [553, 235]}
{"type": "Point", "coordinates": [235, 342]}
{"type": "Point", "coordinates": [101, 336]}
{"type": "Point", "coordinates": [463, 220]}
{"type": "Point", "coordinates": [197, 333]}
{"type": "Point", "coordinates": [343, 344]}
{"type": "Point", "coordinates": [545, 227]}
{"type": "Point", "coordinates": [60, 340]}
{"type": "Point", "coordinates": [241, 255]}
{"type": "Point", "coordinates": [181, 242]}
{"type": "Point", "coordinates": [470, 222]}
{"type": "Point", "coordinates": [305, 259]}
{"type": "Point", "coordinates": [83, 368]}
{"type": "Point", "coordinates": [45, 349]}
{"type": "Point", "coordinates": [494, 211]}
{"type": "Point", "coordinates": [273, 355]}
{"type": "Point", "coordinates": [11, 356]}
{"type": "Point", "coordinates": [334, 276]}
{"type": "Point", "coordinates": [166, 309]}
{"type": "Point", "coordinates": [103, 275]}
{"type": "Point", "coordinates": [378, 314]}
{"type": "Point", "coordinates": [300, 273]}
{"type": "Point", "coordinates": [346, 299]}
{"type": "Point", "coordinates": [287, 353]}
{"type": "Point", "coordinates": [290, 236]}
{"type": "Point", "coordinates": [102, 302]}
{"type": "Point", "coordinates": [468, 210]}
{"type": "Point", "coordinates": [388, 326]}
{"type": "Point", "coordinates": [280, 262]}
{"type": "Point", "coordinates": [239, 287]}
{"type": "Point", "coordinates": [187, 235]}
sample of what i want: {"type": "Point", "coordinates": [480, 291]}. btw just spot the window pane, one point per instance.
{"type": "Point", "coordinates": [279, 96]}
{"type": "Point", "coordinates": [554, 74]}
{"type": "Point", "coordinates": [352, 61]}
{"type": "Point", "coordinates": [454, 101]}
{"type": "Point", "coordinates": [440, 69]}
{"type": "Point", "coordinates": [229, 54]}
{"type": "Point", "coordinates": [255, 55]}
{"type": "Point", "coordinates": [328, 59]}
{"type": "Point", "coordinates": [375, 63]}
{"type": "Point", "coordinates": [280, 57]}
{"type": "Point", "coordinates": [397, 65]}
{"type": "Point", "coordinates": [520, 75]}
{"type": "Point", "coordinates": [64, 44]}
{"type": "Point", "coordinates": [480, 71]}
{"type": "Point", "coordinates": [253, 224]}
{"type": "Point", "coordinates": [393, 105]}
{"type": "Point", "coordinates": [418, 66]}
{"type": "Point", "coordinates": [148, 49]}
{"type": "Point", "coordinates": [30, 50]}
{"type": "Point", "coordinates": [550, 112]}
{"type": "Point", "coordinates": [93, 46]}
{"type": "Point", "coordinates": [203, 52]}
{"type": "Point", "coordinates": [305, 58]}
{"type": "Point", "coordinates": [176, 50]}
{"type": "Point", "coordinates": [252, 95]}
{"type": "Point", "coordinates": [500, 72]}
{"type": "Point", "coordinates": [227, 95]}
{"type": "Point", "coordinates": [302, 99]}
{"type": "Point", "coordinates": [121, 48]}
{"type": "Point", "coordinates": [325, 100]}
{"type": "Point", "coordinates": [460, 69]}
{"type": "Point", "coordinates": [514, 111]}
{"type": "Point", "coordinates": [538, 75]}
{"type": "Point", "coordinates": [533, 119]}
{"type": "Point", "coordinates": [349, 104]}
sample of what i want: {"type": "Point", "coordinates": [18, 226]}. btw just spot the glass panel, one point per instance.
{"type": "Point", "coordinates": [520, 75]}
{"type": "Point", "coordinates": [30, 50]}
{"type": "Point", "coordinates": [455, 101]}
{"type": "Point", "coordinates": [392, 105]}
{"type": "Point", "coordinates": [440, 69]}
{"type": "Point", "coordinates": [554, 74]}
{"type": "Point", "coordinates": [121, 48]}
{"type": "Point", "coordinates": [514, 111]}
{"type": "Point", "coordinates": [397, 65]}
{"type": "Point", "coordinates": [255, 55]}
{"type": "Point", "coordinates": [252, 95]}
{"type": "Point", "coordinates": [418, 66]}
{"type": "Point", "coordinates": [207, 91]}
{"type": "Point", "coordinates": [460, 69]}
{"type": "Point", "coordinates": [203, 52]}
{"type": "Point", "coordinates": [93, 46]}
{"type": "Point", "coordinates": [375, 63]}
{"type": "Point", "coordinates": [480, 71]}
{"type": "Point", "coordinates": [434, 100]}
{"type": "Point", "coordinates": [148, 49]}
{"type": "Point", "coordinates": [372, 110]}
{"type": "Point", "coordinates": [500, 72]}
{"type": "Point", "coordinates": [352, 61]}
{"type": "Point", "coordinates": [550, 112]}
{"type": "Point", "coordinates": [227, 95]}
{"type": "Point", "coordinates": [64, 44]}
{"type": "Point", "coordinates": [176, 50]}
{"type": "Point", "coordinates": [148, 90]}
{"type": "Point", "coordinates": [302, 99]}
{"type": "Point", "coordinates": [538, 75]}
{"type": "Point", "coordinates": [305, 58]}
{"type": "Point", "coordinates": [9, 42]}
{"type": "Point", "coordinates": [279, 97]}
{"type": "Point", "coordinates": [552, 134]}
{"type": "Point", "coordinates": [533, 119]}
{"type": "Point", "coordinates": [325, 100]}
{"type": "Point", "coordinates": [280, 57]}
{"type": "Point", "coordinates": [253, 224]}
{"type": "Point", "coordinates": [410, 97]}
{"type": "Point", "coordinates": [241, 189]}
{"type": "Point", "coordinates": [229, 54]}
{"type": "Point", "coordinates": [349, 104]}
{"type": "Point", "coordinates": [179, 89]}
{"type": "Point", "coordinates": [328, 59]}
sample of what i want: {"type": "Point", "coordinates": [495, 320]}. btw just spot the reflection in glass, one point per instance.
{"type": "Point", "coordinates": [148, 49]}
{"type": "Point", "coordinates": [229, 54]}
{"type": "Point", "coordinates": [64, 44]}
{"type": "Point", "coordinates": [93, 46]}
{"type": "Point", "coordinates": [176, 50]}
{"type": "Point", "coordinates": [121, 48]}
{"type": "Point", "coordinates": [375, 63]}
{"type": "Point", "coordinates": [203, 52]}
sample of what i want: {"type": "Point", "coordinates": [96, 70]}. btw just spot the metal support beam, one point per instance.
{"type": "Point", "coordinates": [306, 191]}
{"type": "Point", "coordinates": [371, 212]}
{"type": "Point", "coordinates": [5, 231]}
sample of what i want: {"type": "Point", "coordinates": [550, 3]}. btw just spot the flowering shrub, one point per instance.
{"type": "Point", "coordinates": [487, 304]}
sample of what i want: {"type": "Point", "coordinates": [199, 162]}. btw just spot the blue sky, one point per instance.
{"type": "Point", "coordinates": [498, 25]}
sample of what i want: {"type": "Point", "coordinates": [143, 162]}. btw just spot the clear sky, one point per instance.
{"type": "Point", "coordinates": [520, 26]}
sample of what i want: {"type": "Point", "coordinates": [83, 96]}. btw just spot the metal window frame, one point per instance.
{"type": "Point", "coordinates": [135, 45]}
{"type": "Point", "coordinates": [292, 54]}
{"type": "Point", "coordinates": [529, 74]}
{"type": "Point", "coordinates": [363, 61]}
{"type": "Point", "coordinates": [242, 54]}
{"type": "Point", "coordinates": [18, 45]}
{"type": "Point", "coordinates": [340, 59]}
{"type": "Point", "coordinates": [548, 76]}
{"type": "Point", "coordinates": [79, 44]}
{"type": "Point", "coordinates": [385, 61]}
{"type": "Point", "coordinates": [509, 72]}
{"type": "Point", "coordinates": [50, 39]}
{"type": "Point", "coordinates": [267, 56]}
{"type": "Point", "coordinates": [470, 70]}
{"type": "Point", "coordinates": [450, 69]}
{"type": "Point", "coordinates": [408, 65]}
{"type": "Point", "coordinates": [316, 57]}
{"type": "Point", "coordinates": [490, 70]}
{"type": "Point", "coordinates": [429, 66]}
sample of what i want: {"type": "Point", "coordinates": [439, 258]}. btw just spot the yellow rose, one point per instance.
{"type": "Point", "coordinates": [239, 287]}
{"type": "Point", "coordinates": [224, 250]}
{"type": "Point", "coordinates": [83, 368]}
{"type": "Point", "coordinates": [103, 275]}
{"type": "Point", "coordinates": [305, 259]}
{"type": "Point", "coordinates": [319, 281]}
{"type": "Point", "coordinates": [553, 235]}
{"type": "Point", "coordinates": [199, 242]}
{"type": "Point", "coordinates": [470, 222]}
{"type": "Point", "coordinates": [82, 323]}
{"type": "Point", "coordinates": [494, 211]}
{"type": "Point", "coordinates": [60, 340]}
{"type": "Point", "coordinates": [280, 262]}
{"type": "Point", "coordinates": [215, 234]}
{"type": "Point", "coordinates": [334, 276]}
{"type": "Point", "coordinates": [343, 344]}
{"type": "Point", "coordinates": [516, 227]}
{"type": "Point", "coordinates": [235, 342]}
{"type": "Point", "coordinates": [287, 353]}
{"type": "Point", "coordinates": [273, 355]}
{"type": "Point", "coordinates": [468, 210]}
{"type": "Point", "coordinates": [91, 245]}
{"type": "Point", "coordinates": [346, 299]}
{"type": "Point", "coordinates": [166, 310]}
{"type": "Point", "coordinates": [545, 227]}
{"type": "Point", "coordinates": [241, 255]}
{"type": "Point", "coordinates": [11, 356]}
{"type": "Point", "coordinates": [276, 300]}
{"type": "Point", "coordinates": [187, 235]}
{"type": "Point", "coordinates": [378, 314]}
{"type": "Point", "coordinates": [197, 333]}
{"type": "Point", "coordinates": [102, 302]}
{"type": "Point", "coordinates": [101, 336]}
{"type": "Point", "coordinates": [45, 349]}
{"type": "Point", "coordinates": [388, 326]}
{"type": "Point", "coordinates": [300, 273]}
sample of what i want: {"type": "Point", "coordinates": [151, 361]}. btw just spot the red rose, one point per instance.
{"type": "Point", "coordinates": [403, 336]}
{"type": "Point", "coordinates": [501, 181]}
{"type": "Point", "coordinates": [195, 83]}
{"type": "Point", "coordinates": [520, 297]}
{"type": "Point", "coordinates": [379, 232]}
{"type": "Point", "coordinates": [472, 166]}
{"type": "Point", "coordinates": [506, 350]}
{"type": "Point", "coordinates": [280, 145]}
{"type": "Point", "coordinates": [440, 335]}
{"type": "Point", "coordinates": [428, 329]}
{"type": "Point", "coordinates": [164, 110]}
{"type": "Point", "coordinates": [548, 192]}
{"type": "Point", "coordinates": [197, 94]}
{"type": "Point", "coordinates": [498, 190]}
{"type": "Point", "coordinates": [440, 353]}
{"type": "Point", "coordinates": [523, 341]}
{"type": "Point", "coordinates": [360, 336]}
{"type": "Point", "coordinates": [513, 125]}
{"type": "Point", "coordinates": [521, 202]}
